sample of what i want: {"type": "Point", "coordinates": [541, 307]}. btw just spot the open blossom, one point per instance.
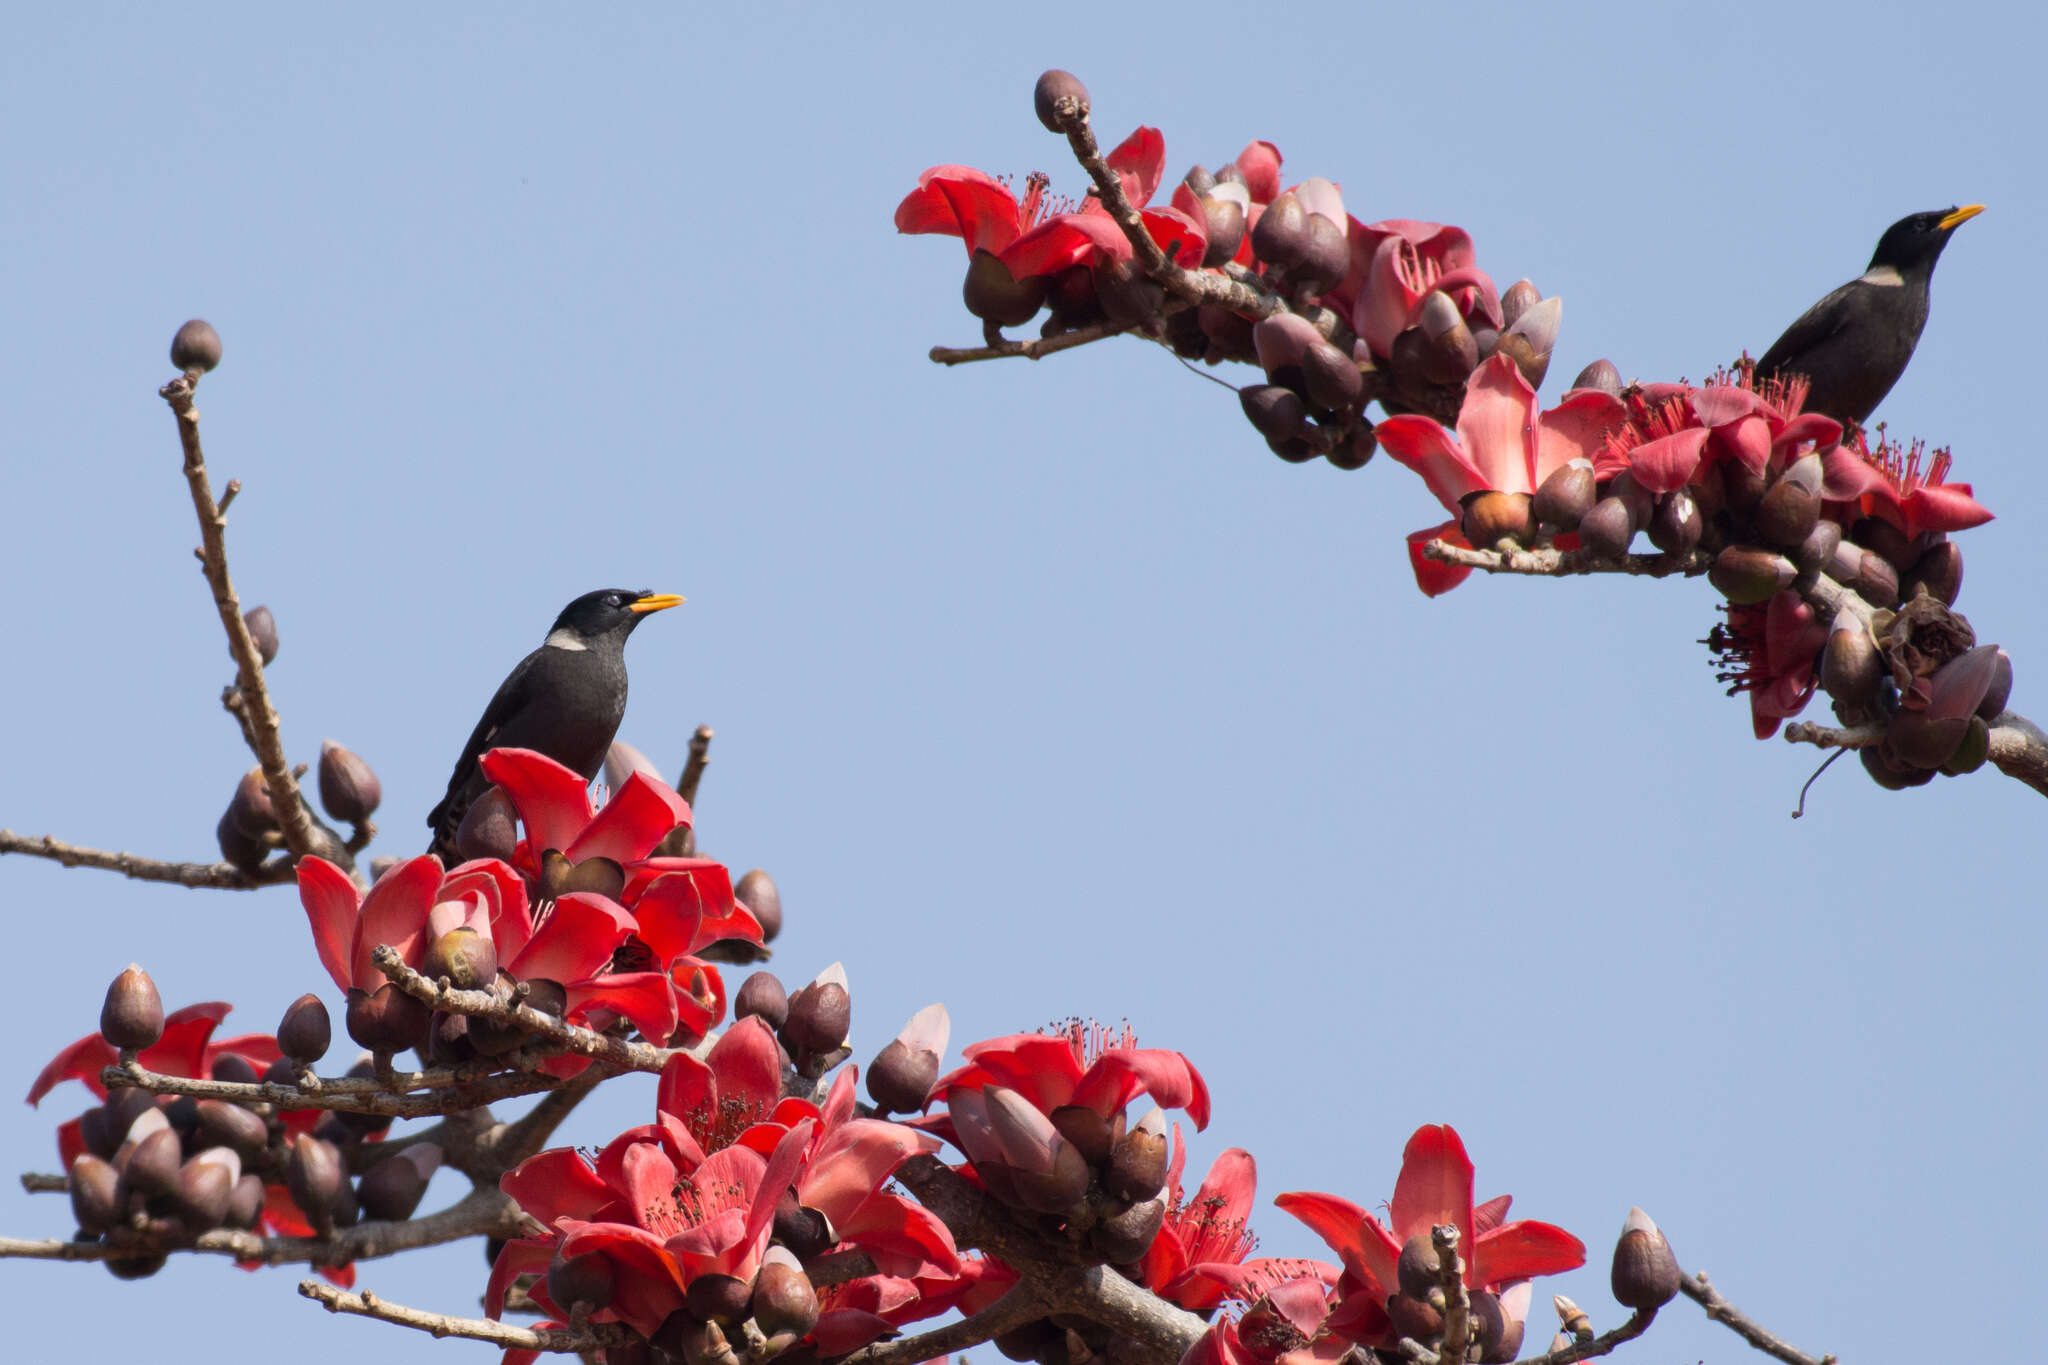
{"type": "Point", "coordinates": [1434, 1188]}
{"type": "Point", "coordinates": [1099, 1068]}
{"type": "Point", "coordinates": [1396, 264]}
{"type": "Point", "coordinates": [1771, 652]}
{"type": "Point", "coordinates": [1673, 431]}
{"type": "Point", "coordinates": [1891, 484]}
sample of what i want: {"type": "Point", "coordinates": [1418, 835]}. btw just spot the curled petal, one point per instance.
{"type": "Point", "coordinates": [1433, 576]}
{"type": "Point", "coordinates": [645, 998]}
{"type": "Point", "coordinates": [1669, 462]}
{"type": "Point", "coordinates": [1068, 240]}
{"type": "Point", "coordinates": [637, 817]}
{"type": "Point", "coordinates": [1140, 163]}
{"type": "Point", "coordinates": [577, 939]}
{"type": "Point", "coordinates": [553, 802]}
{"type": "Point", "coordinates": [959, 201]}
{"type": "Point", "coordinates": [1522, 1251]}
{"type": "Point", "coordinates": [330, 901]}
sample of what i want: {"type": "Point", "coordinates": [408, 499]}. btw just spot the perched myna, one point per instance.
{"type": "Point", "coordinates": [1854, 344]}
{"type": "Point", "coordinates": [565, 699]}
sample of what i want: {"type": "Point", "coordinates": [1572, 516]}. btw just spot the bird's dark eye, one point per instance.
{"type": "Point", "coordinates": [615, 600]}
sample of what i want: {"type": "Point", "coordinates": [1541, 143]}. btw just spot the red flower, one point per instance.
{"type": "Point", "coordinates": [1395, 265]}
{"type": "Point", "coordinates": [1770, 651]}
{"type": "Point", "coordinates": [1082, 1065]}
{"type": "Point", "coordinates": [554, 808]}
{"type": "Point", "coordinates": [1434, 1188]}
{"type": "Point", "coordinates": [1674, 429]}
{"type": "Point", "coordinates": [1889, 483]}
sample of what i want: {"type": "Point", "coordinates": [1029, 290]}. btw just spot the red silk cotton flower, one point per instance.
{"type": "Point", "coordinates": [1434, 1188]}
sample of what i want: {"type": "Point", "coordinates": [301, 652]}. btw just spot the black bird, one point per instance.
{"type": "Point", "coordinates": [1854, 344]}
{"type": "Point", "coordinates": [565, 699]}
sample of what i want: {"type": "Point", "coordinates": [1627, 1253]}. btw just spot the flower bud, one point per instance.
{"type": "Point", "coordinates": [708, 1345]}
{"type": "Point", "coordinates": [305, 1032]}
{"type": "Point", "coordinates": [237, 849]}
{"type": "Point", "coordinates": [756, 890]}
{"type": "Point", "coordinates": [1528, 340]}
{"type": "Point", "coordinates": [387, 1021]}
{"type": "Point", "coordinates": [761, 996]}
{"type": "Point", "coordinates": [1491, 517]}
{"type": "Point", "coordinates": [250, 806]}
{"type": "Point", "coordinates": [1605, 531]}
{"type": "Point", "coordinates": [1094, 1136]}
{"type": "Point", "coordinates": [1676, 526]}
{"type": "Point", "coordinates": [1452, 351]}
{"type": "Point", "coordinates": [1280, 237]}
{"type": "Point", "coordinates": [1414, 1317]}
{"type": "Point", "coordinates": [1125, 1237]}
{"type": "Point", "coordinates": [803, 1230]}
{"type": "Point", "coordinates": [133, 1016]}
{"type": "Point", "coordinates": [152, 1165]}
{"type": "Point", "coordinates": [1127, 295]}
{"type": "Point", "coordinates": [263, 631]}
{"type": "Point", "coordinates": [1514, 1309]}
{"type": "Point", "coordinates": [717, 1298]}
{"type": "Point", "coordinates": [819, 1014]}
{"type": "Point", "coordinates": [467, 958]}
{"type": "Point", "coordinates": [206, 1184]}
{"type": "Point", "coordinates": [1420, 1268]}
{"type": "Point", "coordinates": [222, 1124]}
{"type": "Point", "coordinates": [1489, 1324]}
{"type": "Point", "coordinates": [1747, 575]}
{"type": "Point", "coordinates": [1047, 1173]}
{"type": "Point", "coordinates": [783, 1299]}
{"type": "Point", "coordinates": [1566, 496]}
{"type": "Point", "coordinates": [1875, 580]}
{"type": "Point", "coordinates": [138, 1267]}
{"type": "Point", "coordinates": [1890, 774]}
{"type": "Point", "coordinates": [1223, 218]}
{"type": "Point", "coordinates": [2000, 690]}
{"type": "Point", "coordinates": [1137, 1164]}
{"type": "Point", "coordinates": [1646, 1274]}
{"type": "Point", "coordinates": [1277, 412]}
{"type": "Point", "coordinates": [1849, 663]}
{"type": "Point", "coordinates": [1572, 1317]}
{"type": "Point", "coordinates": [1517, 300]}
{"type": "Point", "coordinates": [489, 828]}
{"type": "Point", "coordinates": [245, 1205]}
{"type": "Point", "coordinates": [317, 1182]}
{"type": "Point", "coordinates": [393, 1188]}
{"type": "Point", "coordinates": [1199, 179]}
{"type": "Point", "coordinates": [349, 791]}
{"type": "Point", "coordinates": [993, 294]}
{"type": "Point", "coordinates": [196, 347]}
{"type": "Point", "coordinates": [1972, 752]}
{"type": "Point", "coordinates": [1355, 450]}
{"type": "Point", "coordinates": [1330, 376]}
{"type": "Point", "coordinates": [1940, 571]}
{"type": "Point", "coordinates": [586, 1280]}
{"type": "Point", "coordinates": [1055, 89]}
{"type": "Point", "coordinates": [94, 1186]}
{"type": "Point", "coordinates": [1787, 514]}
{"type": "Point", "coordinates": [1600, 375]}
{"type": "Point", "coordinates": [1819, 546]}
{"type": "Point", "coordinates": [1326, 256]}
{"type": "Point", "coordinates": [902, 1074]}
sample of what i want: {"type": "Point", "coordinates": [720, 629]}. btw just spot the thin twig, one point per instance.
{"type": "Point", "coordinates": [49, 1182]}
{"type": "Point", "coordinates": [1457, 1304]}
{"type": "Point", "coordinates": [285, 799]}
{"type": "Point", "coordinates": [217, 876]}
{"type": "Point", "coordinates": [1028, 350]}
{"type": "Point", "coordinates": [693, 766]}
{"type": "Point", "coordinates": [555, 1339]}
{"type": "Point", "coordinates": [447, 1091]}
{"type": "Point", "coordinates": [1702, 1292]}
{"type": "Point", "coordinates": [1828, 737]}
{"type": "Point", "coordinates": [1588, 1347]}
{"type": "Point", "coordinates": [1555, 563]}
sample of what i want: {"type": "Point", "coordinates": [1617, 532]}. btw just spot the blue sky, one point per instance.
{"type": "Point", "coordinates": [1042, 689]}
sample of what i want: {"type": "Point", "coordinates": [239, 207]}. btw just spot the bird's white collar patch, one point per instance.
{"type": "Point", "coordinates": [564, 638]}
{"type": "Point", "coordinates": [1887, 275]}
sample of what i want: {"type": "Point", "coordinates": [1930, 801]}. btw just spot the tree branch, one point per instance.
{"type": "Point", "coordinates": [218, 876]}
{"type": "Point", "coordinates": [553, 1339]}
{"type": "Point", "coordinates": [448, 1090]}
{"type": "Point", "coordinates": [292, 816]}
{"type": "Point", "coordinates": [1028, 350]}
{"type": "Point", "coordinates": [1554, 563]}
{"type": "Point", "coordinates": [1702, 1292]}
{"type": "Point", "coordinates": [1589, 1346]}
{"type": "Point", "coordinates": [694, 765]}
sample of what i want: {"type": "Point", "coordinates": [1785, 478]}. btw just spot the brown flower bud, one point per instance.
{"type": "Point", "coordinates": [1333, 380]}
{"type": "Point", "coordinates": [263, 631]}
{"type": "Point", "coordinates": [762, 996]}
{"type": "Point", "coordinates": [1645, 1275]}
{"type": "Point", "coordinates": [489, 828]}
{"type": "Point", "coordinates": [1127, 295]}
{"type": "Point", "coordinates": [756, 890]}
{"type": "Point", "coordinates": [1451, 351]}
{"type": "Point", "coordinates": [1489, 1324]}
{"type": "Point", "coordinates": [222, 1124]}
{"type": "Point", "coordinates": [783, 1299]}
{"type": "Point", "coordinates": [718, 1298]}
{"type": "Point", "coordinates": [586, 1280]}
{"type": "Point", "coordinates": [993, 294]}
{"type": "Point", "coordinates": [94, 1188]}
{"type": "Point", "coordinates": [1137, 1164]}
{"type": "Point", "coordinates": [1875, 580]}
{"type": "Point", "coordinates": [1787, 514]}
{"type": "Point", "coordinates": [1199, 179]}
{"type": "Point", "coordinates": [305, 1032]}
{"type": "Point", "coordinates": [1819, 546]}
{"type": "Point", "coordinates": [1890, 774]}
{"type": "Point", "coordinates": [1746, 575]}
{"type": "Point", "coordinates": [318, 1183]}
{"type": "Point", "coordinates": [387, 1021]}
{"type": "Point", "coordinates": [250, 806]}
{"type": "Point", "coordinates": [803, 1230]}
{"type": "Point", "coordinates": [196, 347]}
{"type": "Point", "coordinates": [1125, 1237]}
{"type": "Point", "coordinates": [206, 1185]}
{"type": "Point", "coordinates": [1676, 526]}
{"type": "Point", "coordinates": [1420, 1268]}
{"type": "Point", "coordinates": [237, 849]}
{"type": "Point", "coordinates": [902, 1073]}
{"type": "Point", "coordinates": [1276, 411]}
{"type": "Point", "coordinates": [245, 1205]}
{"type": "Point", "coordinates": [133, 1015]}
{"type": "Point", "coordinates": [1881, 537]}
{"type": "Point", "coordinates": [2000, 690]}
{"type": "Point", "coordinates": [1058, 91]}
{"type": "Point", "coordinates": [1566, 496]}
{"type": "Point", "coordinates": [1605, 531]}
{"type": "Point", "coordinates": [1528, 340]}
{"type": "Point", "coordinates": [1572, 1317]}
{"type": "Point", "coordinates": [152, 1165]}
{"type": "Point", "coordinates": [1094, 1136]}
{"type": "Point", "coordinates": [1517, 299]}
{"type": "Point", "coordinates": [1972, 752]}
{"type": "Point", "coordinates": [819, 1014]}
{"type": "Point", "coordinates": [1600, 375]}
{"type": "Point", "coordinates": [349, 791]}
{"type": "Point", "coordinates": [393, 1188]}
{"type": "Point", "coordinates": [138, 1267]}
{"type": "Point", "coordinates": [1414, 1317]}
{"type": "Point", "coordinates": [1280, 237]}
{"type": "Point", "coordinates": [1849, 663]}
{"type": "Point", "coordinates": [1492, 517]}
{"type": "Point", "coordinates": [1939, 570]}
{"type": "Point", "coordinates": [1223, 215]}
{"type": "Point", "coordinates": [1354, 450]}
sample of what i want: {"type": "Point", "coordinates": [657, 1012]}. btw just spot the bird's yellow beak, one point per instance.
{"type": "Point", "coordinates": [654, 601]}
{"type": "Point", "coordinates": [1960, 216]}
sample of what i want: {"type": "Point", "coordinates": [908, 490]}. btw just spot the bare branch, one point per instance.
{"type": "Point", "coordinates": [448, 1090]}
{"type": "Point", "coordinates": [292, 814]}
{"type": "Point", "coordinates": [1457, 1304]}
{"type": "Point", "coordinates": [44, 1182]}
{"type": "Point", "coordinates": [1589, 1346]}
{"type": "Point", "coordinates": [553, 1339]}
{"type": "Point", "coordinates": [218, 876]}
{"type": "Point", "coordinates": [693, 766]}
{"type": "Point", "coordinates": [1702, 1292]}
{"type": "Point", "coordinates": [1028, 350]}
{"type": "Point", "coordinates": [1828, 737]}
{"type": "Point", "coordinates": [1555, 563]}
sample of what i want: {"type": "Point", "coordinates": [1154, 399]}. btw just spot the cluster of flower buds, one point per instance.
{"type": "Point", "coordinates": [1042, 1119]}
{"type": "Point", "coordinates": [810, 1022]}
{"type": "Point", "coordinates": [149, 1174]}
{"type": "Point", "coordinates": [1393, 310]}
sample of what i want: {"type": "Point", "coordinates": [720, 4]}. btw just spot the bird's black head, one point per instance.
{"type": "Point", "coordinates": [609, 611]}
{"type": "Point", "coordinates": [1915, 241]}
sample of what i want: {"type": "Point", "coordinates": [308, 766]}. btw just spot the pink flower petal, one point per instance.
{"type": "Point", "coordinates": [637, 817]}
{"type": "Point", "coordinates": [1433, 576]}
{"type": "Point", "coordinates": [1668, 463]}
{"type": "Point", "coordinates": [553, 802]}
{"type": "Point", "coordinates": [1435, 1185]}
{"type": "Point", "coordinates": [329, 898]}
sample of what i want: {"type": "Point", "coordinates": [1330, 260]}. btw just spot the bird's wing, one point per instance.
{"type": "Point", "coordinates": [511, 694]}
{"type": "Point", "coordinates": [1814, 326]}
